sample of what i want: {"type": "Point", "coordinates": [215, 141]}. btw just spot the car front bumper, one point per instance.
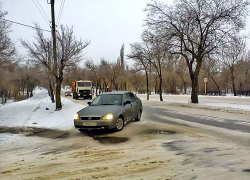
{"type": "Point", "coordinates": [95, 124]}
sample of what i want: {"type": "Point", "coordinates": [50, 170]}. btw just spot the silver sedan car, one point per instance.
{"type": "Point", "coordinates": [109, 111]}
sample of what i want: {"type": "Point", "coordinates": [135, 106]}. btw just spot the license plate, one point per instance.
{"type": "Point", "coordinates": [89, 123]}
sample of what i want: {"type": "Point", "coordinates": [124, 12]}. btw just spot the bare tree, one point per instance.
{"type": "Point", "coordinates": [243, 74]}
{"type": "Point", "coordinates": [113, 70]}
{"type": "Point", "coordinates": [158, 54]}
{"type": "Point", "coordinates": [69, 50]}
{"type": "Point", "coordinates": [95, 72]}
{"type": "Point", "coordinates": [212, 68]}
{"type": "Point", "coordinates": [139, 54]}
{"type": "Point", "coordinates": [39, 52]}
{"type": "Point", "coordinates": [196, 28]}
{"type": "Point", "coordinates": [136, 79]}
{"type": "Point", "coordinates": [231, 53]}
{"type": "Point", "coordinates": [7, 49]}
{"type": "Point", "coordinates": [104, 78]}
{"type": "Point", "coordinates": [181, 71]}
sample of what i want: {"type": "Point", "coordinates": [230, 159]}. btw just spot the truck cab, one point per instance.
{"type": "Point", "coordinates": [82, 88]}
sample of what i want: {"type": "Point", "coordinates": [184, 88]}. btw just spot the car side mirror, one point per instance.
{"type": "Point", "coordinates": [127, 102]}
{"type": "Point", "coordinates": [89, 103]}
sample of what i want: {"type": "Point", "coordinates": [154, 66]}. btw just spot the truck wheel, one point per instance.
{"type": "Point", "coordinates": [90, 97]}
{"type": "Point", "coordinates": [76, 96]}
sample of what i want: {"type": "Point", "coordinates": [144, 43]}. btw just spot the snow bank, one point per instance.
{"type": "Point", "coordinates": [32, 112]}
{"type": "Point", "coordinates": [237, 103]}
{"type": "Point", "coordinates": [237, 106]}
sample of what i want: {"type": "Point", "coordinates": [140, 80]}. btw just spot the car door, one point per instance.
{"type": "Point", "coordinates": [127, 108]}
{"type": "Point", "coordinates": [135, 104]}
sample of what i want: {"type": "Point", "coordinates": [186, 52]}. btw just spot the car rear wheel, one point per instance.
{"type": "Point", "coordinates": [138, 117]}
{"type": "Point", "coordinates": [119, 124]}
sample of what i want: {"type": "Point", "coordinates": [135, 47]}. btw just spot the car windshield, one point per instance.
{"type": "Point", "coordinates": [84, 84]}
{"type": "Point", "coordinates": [107, 99]}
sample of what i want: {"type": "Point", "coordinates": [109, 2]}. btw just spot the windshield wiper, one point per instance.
{"type": "Point", "coordinates": [108, 104]}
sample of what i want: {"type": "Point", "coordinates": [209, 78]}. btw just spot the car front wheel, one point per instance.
{"type": "Point", "coordinates": [119, 124]}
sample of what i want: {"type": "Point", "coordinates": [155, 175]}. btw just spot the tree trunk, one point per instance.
{"type": "Point", "coordinates": [51, 92]}
{"type": "Point", "coordinates": [5, 98]}
{"type": "Point", "coordinates": [195, 89]}
{"type": "Point", "coordinates": [58, 94]}
{"type": "Point", "coordinates": [241, 89]}
{"type": "Point", "coordinates": [185, 87]}
{"type": "Point", "coordinates": [160, 89]}
{"type": "Point", "coordinates": [116, 87]}
{"type": "Point", "coordinates": [27, 95]}
{"type": "Point", "coordinates": [232, 78]}
{"type": "Point", "coordinates": [155, 85]}
{"type": "Point", "coordinates": [31, 93]}
{"type": "Point", "coordinates": [147, 84]}
{"type": "Point", "coordinates": [125, 86]}
{"type": "Point", "coordinates": [194, 76]}
{"type": "Point", "coordinates": [216, 85]}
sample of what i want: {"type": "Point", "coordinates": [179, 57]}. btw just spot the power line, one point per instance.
{"type": "Point", "coordinates": [42, 9]}
{"type": "Point", "coordinates": [24, 25]}
{"type": "Point", "coordinates": [60, 12]}
{"type": "Point", "coordinates": [41, 13]}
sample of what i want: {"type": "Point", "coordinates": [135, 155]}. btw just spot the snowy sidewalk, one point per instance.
{"type": "Point", "coordinates": [32, 112]}
{"type": "Point", "coordinates": [240, 103]}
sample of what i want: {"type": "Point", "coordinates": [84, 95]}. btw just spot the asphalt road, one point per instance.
{"type": "Point", "coordinates": [165, 112]}
{"type": "Point", "coordinates": [157, 113]}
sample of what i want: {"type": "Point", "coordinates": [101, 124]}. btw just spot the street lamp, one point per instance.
{"type": "Point", "coordinates": [205, 81]}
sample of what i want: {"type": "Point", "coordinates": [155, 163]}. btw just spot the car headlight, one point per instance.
{"type": "Point", "coordinates": [76, 117]}
{"type": "Point", "coordinates": [108, 116]}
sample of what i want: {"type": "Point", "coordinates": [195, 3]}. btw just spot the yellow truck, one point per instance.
{"type": "Point", "coordinates": [82, 88]}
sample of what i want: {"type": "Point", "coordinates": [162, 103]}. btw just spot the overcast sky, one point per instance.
{"type": "Point", "coordinates": [107, 23]}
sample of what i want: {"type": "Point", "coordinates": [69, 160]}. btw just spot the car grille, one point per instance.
{"type": "Point", "coordinates": [90, 118]}
{"type": "Point", "coordinates": [84, 91]}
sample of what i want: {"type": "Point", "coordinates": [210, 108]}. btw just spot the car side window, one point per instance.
{"type": "Point", "coordinates": [132, 97]}
{"type": "Point", "coordinates": [126, 97]}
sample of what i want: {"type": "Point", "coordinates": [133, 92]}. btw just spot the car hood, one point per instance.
{"type": "Point", "coordinates": [98, 110]}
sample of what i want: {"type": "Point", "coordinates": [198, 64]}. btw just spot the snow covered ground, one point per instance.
{"type": "Point", "coordinates": [32, 113]}
{"type": "Point", "coordinates": [238, 102]}
{"type": "Point", "coordinates": [8, 101]}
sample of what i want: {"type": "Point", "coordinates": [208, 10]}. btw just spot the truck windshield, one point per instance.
{"type": "Point", "coordinates": [107, 99]}
{"type": "Point", "coordinates": [84, 84]}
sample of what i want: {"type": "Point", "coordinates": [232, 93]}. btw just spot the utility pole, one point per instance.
{"type": "Point", "coordinates": [58, 83]}
{"type": "Point", "coordinates": [54, 34]}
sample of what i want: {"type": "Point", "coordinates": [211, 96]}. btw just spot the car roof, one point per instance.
{"type": "Point", "coordinates": [115, 92]}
